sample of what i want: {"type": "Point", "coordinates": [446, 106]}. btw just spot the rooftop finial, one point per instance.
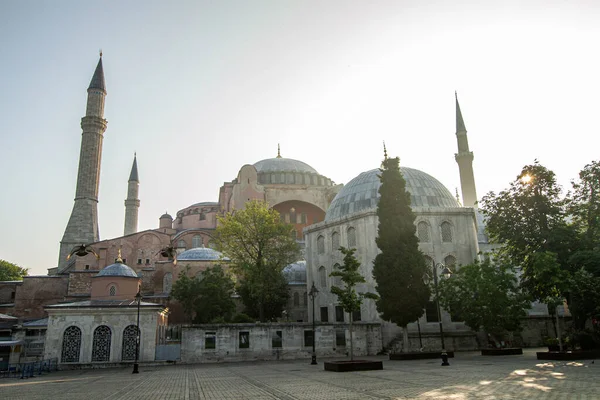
{"type": "Point", "coordinates": [455, 95]}
{"type": "Point", "coordinates": [384, 151]}
{"type": "Point", "coordinates": [100, 52]}
{"type": "Point", "coordinates": [119, 259]}
{"type": "Point", "coordinates": [457, 198]}
{"type": "Point", "coordinates": [278, 151]}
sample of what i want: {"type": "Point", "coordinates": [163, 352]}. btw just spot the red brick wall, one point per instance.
{"type": "Point", "coordinates": [313, 214]}
{"type": "Point", "coordinates": [37, 292]}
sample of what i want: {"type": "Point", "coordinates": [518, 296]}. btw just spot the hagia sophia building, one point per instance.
{"type": "Point", "coordinates": [325, 215]}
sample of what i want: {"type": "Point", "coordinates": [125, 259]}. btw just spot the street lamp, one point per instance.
{"type": "Point", "coordinates": [136, 366]}
{"type": "Point", "coordinates": [445, 273]}
{"type": "Point", "coordinates": [313, 293]}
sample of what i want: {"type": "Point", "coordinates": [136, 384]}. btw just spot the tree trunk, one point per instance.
{"type": "Point", "coordinates": [405, 339]}
{"type": "Point", "coordinates": [351, 341]}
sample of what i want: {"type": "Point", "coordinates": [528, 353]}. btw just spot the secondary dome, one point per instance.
{"type": "Point", "coordinates": [362, 193]}
{"type": "Point", "coordinates": [118, 269]}
{"type": "Point", "coordinates": [201, 254]}
{"type": "Point", "coordinates": [283, 165]}
{"type": "Point", "coordinates": [295, 273]}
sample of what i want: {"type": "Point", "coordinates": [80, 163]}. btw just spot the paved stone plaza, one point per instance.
{"type": "Point", "coordinates": [470, 376]}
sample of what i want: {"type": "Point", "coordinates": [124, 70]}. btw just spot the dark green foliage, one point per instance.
{"type": "Point", "coordinates": [400, 268]}
{"type": "Point", "coordinates": [207, 300]}
{"type": "Point", "coordinates": [273, 294]}
{"type": "Point", "coordinates": [242, 318]}
{"type": "Point", "coordinates": [11, 272]}
{"type": "Point", "coordinates": [486, 295]}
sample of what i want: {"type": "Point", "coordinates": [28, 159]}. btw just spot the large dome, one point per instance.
{"type": "Point", "coordinates": [201, 254]}
{"type": "Point", "coordinates": [362, 193]}
{"type": "Point", "coordinates": [118, 269]}
{"type": "Point", "coordinates": [283, 165]}
{"type": "Point", "coordinates": [295, 273]}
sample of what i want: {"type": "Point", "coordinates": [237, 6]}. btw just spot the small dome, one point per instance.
{"type": "Point", "coordinates": [283, 165]}
{"type": "Point", "coordinates": [118, 269]}
{"type": "Point", "coordinates": [295, 272]}
{"type": "Point", "coordinates": [362, 193]}
{"type": "Point", "coordinates": [201, 254]}
{"type": "Point", "coordinates": [165, 215]}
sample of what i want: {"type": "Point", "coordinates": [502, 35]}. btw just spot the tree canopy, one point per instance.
{"type": "Point", "coordinates": [206, 299]}
{"type": "Point", "coordinates": [349, 298]}
{"type": "Point", "coordinates": [260, 246]}
{"type": "Point", "coordinates": [486, 295]}
{"type": "Point", "coordinates": [11, 272]}
{"type": "Point", "coordinates": [400, 269]}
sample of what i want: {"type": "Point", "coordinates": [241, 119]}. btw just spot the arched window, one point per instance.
{"type": "Point", "coordinates": [296, 299]}
{"type": "Point", "coordinates": [197, 241]}
{"type": "Point", "coordinates": [129, 340]}
{"type": "Point", "coordinates": [322, 277]}
{"type": "Point", "coordinates": [446, 229]}
{"type": "Point", "coordinates": [351, 237]}
{"type": "Point", "coordinates": [337, 280]}
{"type": "Point", "coordinates": [449, 261]}
{"type": "Point", "coordinates": [71, 345]}
{"type": "Point", "coordinates": [293, 219]}
{"type": "Point", "coordinates": [423, 232]}
{"type": "Point", "coordinates": [428, 269]}
{"type": "Point", "coordinates": [113, 290]}
{"type": "Point", "coordinates": [167, 282]}
{"type": "Point", "coordinates": [101, 344]}
{"type": "Point", "coordinates": [335, 241]}
{"type": "Point", "coordinates": [305, 299]}
{"type": "Point", "coordinates": [181, 244]}
{"type": "Point", "coordinates": [321, 245]}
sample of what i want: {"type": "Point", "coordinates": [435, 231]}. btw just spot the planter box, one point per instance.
{"type": "Point", "coordinates": [356, 365]}
{"type": "Point", "coordinates": [420, 355]}
{"type": "Point", "coordinates": [568, 355]}
{"type": "Point", "coordinates": [511, 351]}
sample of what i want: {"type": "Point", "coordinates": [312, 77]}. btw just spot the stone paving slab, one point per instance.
{"type": "Point", "coordinates": [470, 376]}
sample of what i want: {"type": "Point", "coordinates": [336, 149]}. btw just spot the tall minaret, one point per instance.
{"type": "Point", "coordinates": [132, 203]}
{"type": "Point", "coordinates": [82, 227]}
{"type": "Point", "coordinates": [464, 158]}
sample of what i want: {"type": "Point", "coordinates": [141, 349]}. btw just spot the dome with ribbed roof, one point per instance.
{"type": "Point", "coordinates": [201, 254]}
{"type": "Point", "coordinates": [295, 273]}
{"type": "Point", "coordinates": [362, 193]}
{"type": "Point", "coordinates": [118, 269]}
{"type": "Point", "coordinates": [281, 164]}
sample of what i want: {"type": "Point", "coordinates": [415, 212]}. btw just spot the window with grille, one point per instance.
{"type": "Point", "coordinates": [296, 300]}
{"type": "Point", "coordinates": [181, 244]}
{"type": "Point", "coordinates": [340, 337]}
{"type": "Point", "coordinates": [423, 232]}
{"type": "Point", "coordinates": [446, 229]}
{"type": "Point", "coordinates": [71, 345]}
{"type": "Point", "coordinates": [210, 340]}
{"type": "Point", "coordinates": [244, 340]}
{"type": "Point", "coordinates": [277, 339]}
{"type": "Point", "coordinates": [339, 314]}
{"type": "Point", "coordinates": [321, 245]}
{"type": "Point", "coordinates": [356, 316]}
{"type": "Point", "coordinates": [449, 261]}
{"type": "Point", "coordinates": [101, 344]}
{"type": "Point", "coordinates": [196, 241]}
{"type": "Point", "coordinates": [308, 338]}
{"type": "Point", "coordinates": [129, 343]}
{"type": "Point", "coordinates": [322, 277]}
{"type": "Point", "coordinates": [431, 312]}
{"type": "Point", "coordinates": [113, 290]}
{"type": "Point", "coordinates": [305, 299]}
{"type": "Point", "coordinates": [324, 314]}
{"type": "Point", "coordinates": [335, 241]}
{"type": "Point", "coordinates": [351, 237]}
{"type": "Point", "coordinates": [167, 282]}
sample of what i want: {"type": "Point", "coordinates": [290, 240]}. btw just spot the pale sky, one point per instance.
{"type": "Point", "coordinates": [200, 88]}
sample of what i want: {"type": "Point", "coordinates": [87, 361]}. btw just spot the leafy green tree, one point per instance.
{"type": "Point", "coordinates": [584, 204]}
{"type": "Point", "coordinates": [274, 299]}
{"type": "Point", "coordinates": [208, 299]}
{"type": "Point", "coordinates": [260, 246]}
{"type": "Point", "coordinates": [11, 272]}
{"type": "Point", "coordinates": [486, 295]}
{"type": "Point", "coordinates": [349, 298]}
{"type": "Point", "coordinates": [400, 269]}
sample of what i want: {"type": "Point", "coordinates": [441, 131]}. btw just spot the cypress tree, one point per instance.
{"type": "Point", "coordinates": [400, 269]}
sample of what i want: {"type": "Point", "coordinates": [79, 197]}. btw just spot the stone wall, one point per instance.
{"type": "Point", "coordinates": [80, 282]}
{"type": "Point", "coordinates": [229, 345]}
{"type": "Point", "coordinates": [8, 291]}
{"type": "Point", "coordinates": [37, 292]}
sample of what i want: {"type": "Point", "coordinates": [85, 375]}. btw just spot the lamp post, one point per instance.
{"type": "Point", "coordinates": [313, 293]}
{"type": "Point", "coordinates": [136, 366]}
{"type": "Point", "coordinates": [446, 273]}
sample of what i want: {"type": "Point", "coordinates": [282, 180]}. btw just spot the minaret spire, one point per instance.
{"type": "Point", "coordinates": [278, 151]}
{"type": "Point", "coordinates": [464, 159]}
{"type": "Point", "coordinates": [132, 203]}
{"type": "Point", "coordinates": [82, 227]}
{"type": "Point", "coordinates": [384, 151]}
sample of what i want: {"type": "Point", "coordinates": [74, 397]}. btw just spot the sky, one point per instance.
{"type": "Point", "coordinates": [200, 88]}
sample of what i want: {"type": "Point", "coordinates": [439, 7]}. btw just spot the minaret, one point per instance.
{"type": "Point", "coordinates": [82, 227]}
{"type": "Point", "coordinates": [132, 203]}
{"type": "Point", "coordinates": [464, 158]}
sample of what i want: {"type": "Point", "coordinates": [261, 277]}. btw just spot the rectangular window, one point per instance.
{"type": "Point", "coordinates": [356, 316]}
{"type": "Point", "coordinates": [339, 314]}
{"type": "Point", "coordinates": [308, 338]}
{"type": "Point", "coordinates": [139, 260]}
{"type": "Point", "coordinates": [87, 266]}
{"type": "Point", "coordinates": [147, 261]}
{"type": "Point", "coordinates": [431, 312]}
{"type": "Point", "coordinates": [277, 339]}
{"type": "Point", "coordinates": [244, 340]}
{"type": "Point", "coordinates": [12, 295]}
{"type": "Point", "coordinates": [340, 337]}
{"type": "Point", "coordinates": [210, 340]}
{"type": "Point", "coordinates": [324, 314]}
{"type": "Point", "coordinates": [303, 218]}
